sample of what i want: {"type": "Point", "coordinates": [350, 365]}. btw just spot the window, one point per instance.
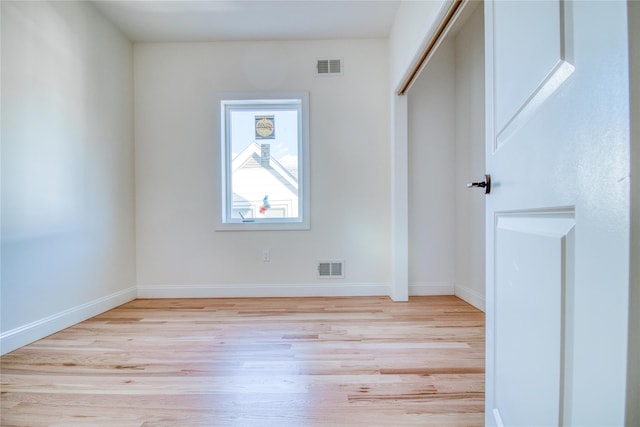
{"type": "Point", "coordinates": [264, 177]}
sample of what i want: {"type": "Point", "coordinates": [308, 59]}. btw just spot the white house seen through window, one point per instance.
{"type": "Point", "coordinates": [264, 144]}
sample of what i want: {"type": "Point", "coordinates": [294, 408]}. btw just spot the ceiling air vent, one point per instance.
{"type": "Point", "coordinates": [329, 67]}
{"type": "Point", "coordinates": [331, 269]}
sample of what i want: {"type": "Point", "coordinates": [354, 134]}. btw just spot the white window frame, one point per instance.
{"type": "Point", "coordinates": [224, 220]}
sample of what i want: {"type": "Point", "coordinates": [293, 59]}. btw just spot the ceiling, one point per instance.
{"type": "Point", "coordinates": [225, 20]}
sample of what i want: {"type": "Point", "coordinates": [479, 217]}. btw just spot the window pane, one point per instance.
{"type": "Point", "coordinates": [263, 144]}
{"type": "Point", "coordinates": [264, 175]}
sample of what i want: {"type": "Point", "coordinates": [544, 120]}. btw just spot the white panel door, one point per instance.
{"type": "Point", "coordinates": [558, 212]}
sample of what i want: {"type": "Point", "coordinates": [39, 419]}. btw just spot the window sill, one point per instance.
{"type": "Point", "coordinates": [263, 226]}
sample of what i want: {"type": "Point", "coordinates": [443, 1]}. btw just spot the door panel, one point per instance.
{"type": "Point", "coordinates": [534, 251]}
{"type": "Point", "coordinates": [529, 60]}
{"type": "Point", "coordinates": [557, 218]}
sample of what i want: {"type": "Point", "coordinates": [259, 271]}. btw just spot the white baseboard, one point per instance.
{"type": "Point", "coordinates": [472, 297]}
{"type": "Point", "coordinates": [34, 331]}
{"type": "Point", "coordinates": [430, 288]}
{"type": "Point", "coordinates": [264, 291]}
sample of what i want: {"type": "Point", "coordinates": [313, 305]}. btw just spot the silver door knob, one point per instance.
{"type": "Point", "coordinates": [486, 184]}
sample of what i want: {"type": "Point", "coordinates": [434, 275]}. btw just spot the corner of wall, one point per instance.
{"type": "Point", "coordinates": [39, 329]}
{"type": "Point", "coordinates": [472, 297]}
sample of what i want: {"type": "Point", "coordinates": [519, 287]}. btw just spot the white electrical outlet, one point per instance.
{"type": "Point", "coordinates": [266, 255]}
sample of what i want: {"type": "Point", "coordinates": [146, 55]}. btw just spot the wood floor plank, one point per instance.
{"type": "Point", "coordinates": [363, 361]}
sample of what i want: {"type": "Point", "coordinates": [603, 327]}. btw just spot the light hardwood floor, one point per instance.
{"type": "Point", "coordinates": [363, 361]}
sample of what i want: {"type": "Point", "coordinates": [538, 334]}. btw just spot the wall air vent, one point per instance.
{"type": "Point", "coordinates": [329, 67]}
{"type": "Point", "coordinates": [331, 269]}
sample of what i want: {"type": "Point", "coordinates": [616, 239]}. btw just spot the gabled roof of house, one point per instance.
{"type": "Point", "coordinates": [251, 156]}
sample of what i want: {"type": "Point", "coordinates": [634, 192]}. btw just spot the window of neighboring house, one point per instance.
{"type": "Point", "coordinates": [264, 177]}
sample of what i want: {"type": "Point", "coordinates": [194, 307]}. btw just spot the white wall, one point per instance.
{"type": "Point", "coordinates": [446, 150]}
{"type": "Point", "coordinates": [414, 25]}
{"type": "Point", "coordinates": [67, 168]}
{"type": "Point", "coordinates": [470, 166]}
{"type": "Point", "coordinates": [178, 251]}
{"type": "Point", "coordinates": [432, 210]}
